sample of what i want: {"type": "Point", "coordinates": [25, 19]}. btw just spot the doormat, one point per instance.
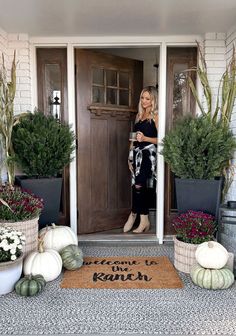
{"type": "Point", "coordinates": [123, 273]}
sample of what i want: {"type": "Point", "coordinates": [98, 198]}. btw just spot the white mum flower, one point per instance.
{"type": "Point", "coordinates": [4, 242]}
{"type": "Point", "coordinates": [6, 248]}
{"type": "Point", "coordinates": [13, 251]}
{"type": "Point", "coordinates": [13, 257]}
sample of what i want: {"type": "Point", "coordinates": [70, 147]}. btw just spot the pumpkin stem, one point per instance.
{"type": "Point", "coordinates": [53, 225]}
{"type": "Point", "coordinates": [210, 244]}
{"type": "Point", "coordinates": [41, 247]}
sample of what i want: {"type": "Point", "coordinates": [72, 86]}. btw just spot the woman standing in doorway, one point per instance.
{"type": "Point", "coordinates": [142, 158]}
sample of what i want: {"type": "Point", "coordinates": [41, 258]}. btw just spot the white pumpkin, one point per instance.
{"type": "Point", "coordinates": [57, 237]}
{"type": "Point", "coordinates": [46, 262]}
{"type": "Point", "coordinates": [211, 255]}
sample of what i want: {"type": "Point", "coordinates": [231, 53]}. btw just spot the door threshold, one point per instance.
{"type": "Point", "coordinates": [118, 237]}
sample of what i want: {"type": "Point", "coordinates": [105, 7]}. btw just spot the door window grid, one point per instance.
{"type": "Point", "coordinates": [111, 87]}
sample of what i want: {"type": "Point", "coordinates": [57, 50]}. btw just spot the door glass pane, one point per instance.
{"type": "Point", "coordinates": [181, 103]}
{"type": "Point", "coordinates": [53, 88]}
{"type": "Point", "coordinates": [111, 96]}
{"type": "Point", "coordinates": [98, 76]}
{"type": "Point", "coordinates": [124, 97]}
{"type": "Point", "coordinates": [111, 77]}
{"type": "Point", "coordinates": [98, 94]}
{"type": "Point", "coordinates": [124, 80]}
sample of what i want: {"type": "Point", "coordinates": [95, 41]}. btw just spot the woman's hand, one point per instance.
{"type": "Point", "coordinates": [140, 136]}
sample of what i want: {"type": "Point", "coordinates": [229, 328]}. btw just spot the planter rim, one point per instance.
{"type": "Point", "coordinates": [27, 177]}
{"type": "Point", "coordinates": [178, 240]}
{"type": "Point", "coordinates": [5, 264]}
{"type": "Point", "coordinates": [198, 179]}
{"type": "Point", "coordinates": [18, 221]}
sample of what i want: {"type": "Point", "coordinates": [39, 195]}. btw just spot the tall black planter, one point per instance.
{"type": "Point", "coordinates": [198, 195]}
{"type": "Point", "coordinates": [49, 189]}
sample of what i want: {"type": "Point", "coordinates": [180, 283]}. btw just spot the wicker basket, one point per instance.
{"type": "Point", "coordinates": [184, 255]}
{"type": "Point", "coordinates": [30, 229]}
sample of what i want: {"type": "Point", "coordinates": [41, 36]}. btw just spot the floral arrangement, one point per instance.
{"type": "Point", "coordinates": [11, 244]}
{"type": "Point", "coordinates": [194, 227]}
{"type": "Point", "coordinates": [17, 204]}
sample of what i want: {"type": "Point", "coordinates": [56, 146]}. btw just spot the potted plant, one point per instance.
{"type": "Point", "coordinates": [192, 228]}
{"type": "Point", "coordinates": [197, 151]}
{"type": "Point", "coordinates": [20, 210]}
{"type": "Point", "coordinates": [43, 147]}
{"type": "Point", "coordinates": [11, 258]}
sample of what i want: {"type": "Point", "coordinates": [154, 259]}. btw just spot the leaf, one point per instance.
{"type": "Point", "coordinates": [6, 204]}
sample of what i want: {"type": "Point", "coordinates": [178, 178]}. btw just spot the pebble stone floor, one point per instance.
{"type": "Point", "coordinates": [187, 311]}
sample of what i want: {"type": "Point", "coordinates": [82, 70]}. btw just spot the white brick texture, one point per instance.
{"type": "Point", "coordinates": [214, 51]}
{"type": "Point", "coordinates": [19, 43]}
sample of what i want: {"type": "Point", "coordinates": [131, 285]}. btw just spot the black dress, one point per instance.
{"type": "Point", "coordinates": [145, 170]}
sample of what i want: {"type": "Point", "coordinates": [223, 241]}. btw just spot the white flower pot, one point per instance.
{"type": "Point", "coordinates": [10, 273]}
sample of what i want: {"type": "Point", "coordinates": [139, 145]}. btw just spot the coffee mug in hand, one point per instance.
{"type": "Point", "coordinates": [133, 136]}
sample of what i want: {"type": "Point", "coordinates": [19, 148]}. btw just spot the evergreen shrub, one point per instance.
{"type": "Point", "coordinates": [198, 148]}
{"type": "Point", "coordinates": [42, 144]}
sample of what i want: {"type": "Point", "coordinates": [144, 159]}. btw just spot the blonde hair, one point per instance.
{"type": "Point", "coordinates": [154, 100]}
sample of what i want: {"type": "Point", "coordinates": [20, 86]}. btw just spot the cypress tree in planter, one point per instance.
{"type": "Point", "coordinates": [43, 147]}
{"type": "Point", "coordinates": [197, 151]}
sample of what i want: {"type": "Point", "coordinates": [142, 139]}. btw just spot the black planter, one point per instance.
{"type": "Point", "coordinates": [198, 195]}
{"type": "Point", "coordinates": [49, 189]}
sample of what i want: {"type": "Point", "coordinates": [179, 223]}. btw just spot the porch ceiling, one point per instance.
{"type": "Point", "coordinates": [116, 17]}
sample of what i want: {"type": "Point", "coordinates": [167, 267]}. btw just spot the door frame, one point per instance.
{"type": "Point", "coordinates": [114, 42]}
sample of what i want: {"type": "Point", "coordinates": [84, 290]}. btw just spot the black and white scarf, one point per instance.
{"type": "Point", "coordinates": [152, 149]}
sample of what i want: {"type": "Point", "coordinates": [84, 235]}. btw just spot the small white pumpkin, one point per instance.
{"type": "Point", "coordinates": [46, 262]}
{"type": "Point", "coordinates": [57, 237]}
{"type": "Point", "coordinates": [211, 255]}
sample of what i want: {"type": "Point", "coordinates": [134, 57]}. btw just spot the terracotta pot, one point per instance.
{"type": "Point", "coordinates": [10, 273]}
{"type": "Point", "coordinates": [184, 255]}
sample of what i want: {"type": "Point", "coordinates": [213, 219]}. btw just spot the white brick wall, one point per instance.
{"type": "Point", "coordinates": [20, 43]}
{"type": "Point", "coordinates": [214, 50]}
{"type": "Point", "coordinates": [3, 46]}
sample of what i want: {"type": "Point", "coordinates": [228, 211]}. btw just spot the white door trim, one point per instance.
{"type": "Point", "coordinates": [161, 134]}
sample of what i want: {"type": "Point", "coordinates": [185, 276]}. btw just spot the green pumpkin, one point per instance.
{"type": "Point", "coordinates": [212, 278]}
{"type": "Point", "coordinates": [30, 285]}
{"type": "Point", "coordinates": [72, 257]}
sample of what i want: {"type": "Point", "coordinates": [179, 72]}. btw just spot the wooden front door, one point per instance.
{"type": "Point", "coordinates": [180, 102]}
{"type": "Point", "coordinates": [107, 93]}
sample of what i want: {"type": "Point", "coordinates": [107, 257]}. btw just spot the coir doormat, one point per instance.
{"type": "Point", "coordinates": [123, 272]}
